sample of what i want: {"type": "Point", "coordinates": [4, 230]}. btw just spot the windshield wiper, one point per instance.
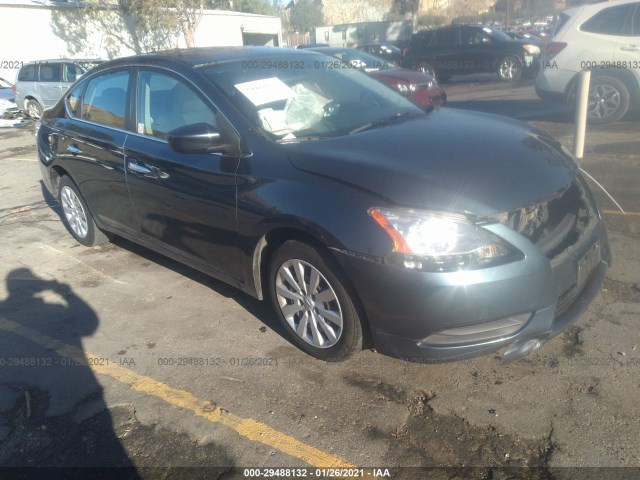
{"type": "Point", "coordinates": [400, 116]}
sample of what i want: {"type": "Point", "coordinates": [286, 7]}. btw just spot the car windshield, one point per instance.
{"type": "Point", "coordinates": [309, 96]}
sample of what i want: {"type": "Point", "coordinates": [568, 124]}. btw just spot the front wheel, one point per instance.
{"type": "Point", "coordinates": [509, 68]}
{"type": "Point", "coordinates": [608, 100]}
{"type": "Point", "coordinates": [312, 302]}
{"type": "Point", "coordinates": [76, 215]}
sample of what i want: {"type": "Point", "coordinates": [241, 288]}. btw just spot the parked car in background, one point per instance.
{"type": "Point", "coordinates": [383, 50]}
{"type": "Point", "coordinates": [39, 84]}
{"type": "Point", "coordinates": [528, 37]}
{"type": "Point", "coordinates": [465, 49]}
{"type": "Point", "coordinates": [6, 90]}
{"type": "Point", "coordinates": [420, 88]}
{"type": "Point", "coordinates": [365, 220]}
{"type": "Point", "coordinates": [603, 38]}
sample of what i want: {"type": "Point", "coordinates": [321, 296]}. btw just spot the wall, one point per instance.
{"type": "Point", "coordinates": [63, 32]}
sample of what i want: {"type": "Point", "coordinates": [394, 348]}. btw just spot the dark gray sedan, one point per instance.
{"type": "Point", "coordinates": [364, 220]}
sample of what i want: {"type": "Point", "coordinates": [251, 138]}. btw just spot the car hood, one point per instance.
{"type": "Point", "coordinates": [403, 74]}
{"type": "Point", "coordinates": [449, 160]}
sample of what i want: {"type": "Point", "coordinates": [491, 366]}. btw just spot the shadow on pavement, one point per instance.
{"type": "Point", "coordinates": [52, 411]}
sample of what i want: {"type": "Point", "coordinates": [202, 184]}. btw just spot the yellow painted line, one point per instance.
{"type": "Point", "coordinates": [618, 212]}
{"type": "Point", "coordinates": [246, 427]}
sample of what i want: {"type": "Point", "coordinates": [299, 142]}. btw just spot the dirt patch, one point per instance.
{"type": "Point", "coordinates": [614, 291]}
{"type": "Point", "coordinates": [436, 441]}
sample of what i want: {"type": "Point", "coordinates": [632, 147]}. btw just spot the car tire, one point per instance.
{"type": "Point", "coordinates": [76, 215]}
{"type": "Point", "coordinates": [609, 100]}
{"type": "Point", "coordinates": [33, 108]}
{"type": "Point", "coordinates": [509, 68]}
{"type": "Point", "coordinates": [312, 302]}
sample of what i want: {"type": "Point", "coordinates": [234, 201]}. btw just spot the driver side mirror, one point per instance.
{"type": "Point", "coordinates": [197, 138]}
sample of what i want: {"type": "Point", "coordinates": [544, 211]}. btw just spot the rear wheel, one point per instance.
{"type": "Point", "coordinates": [33, 108]}
{"type": "Point", "coordinates": [424, 67]}
{"type": "Point", "coordinates": [76, 215]}
{"type": "Point", "coordinates": [608, 100]}
{"type": "Point", "coordinates": [312, 303]}
{"type": "Point", "coordinates": [509, 68]}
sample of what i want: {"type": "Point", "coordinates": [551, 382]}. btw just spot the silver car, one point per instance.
{"type": "Point", "coordinates": [39, 84]}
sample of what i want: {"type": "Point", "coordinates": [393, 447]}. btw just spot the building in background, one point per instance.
{"type": "Point", "coordinates": [37, 30]}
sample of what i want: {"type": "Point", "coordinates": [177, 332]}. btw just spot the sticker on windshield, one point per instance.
{"type": "Point", "coordinates": [267, 90]}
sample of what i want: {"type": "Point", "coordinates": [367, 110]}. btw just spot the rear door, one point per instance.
{"type": "Point", "coordinates": [605, 33]}
{"type": "Point", "coordinates": [446, 50]}
{"type": "Point", "coordinates": [91, 147]}
{"type": "Point", "coordinates": [185, 203]}
{"type": "Point", "coordinates": [49, 86]}
{"type": "Point", "coordinates": [627, 50]}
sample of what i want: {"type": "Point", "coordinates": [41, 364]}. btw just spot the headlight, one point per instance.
{"type": "Point", "coordinates": [441, 242]}
{"type": "Point", "coordinates": [532, 49]}
{"type": "Point", "coordinates": [406, 88]}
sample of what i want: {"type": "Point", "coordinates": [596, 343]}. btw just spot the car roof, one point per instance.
{"type": "Point", "coordinates": [200, 57]}
{"type": "Point", "coordinates": [594, 7]}
{"type": "Point", "coordinates": [65, 60]}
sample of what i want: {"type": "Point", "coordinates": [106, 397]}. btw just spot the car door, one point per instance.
{"type": "Point", "coordinates": [446, 50]}
{"type": "Point", "coordinates": [627, 49]}
{"type": "Point", "coordinates": [50, 83]}
{"type": "Point", "coordinates": [91, 147]}
{"type": "Point", "coordinates": [477, 50]}
{"type": "Point", "coordinates": [606, 33]}
{"type": "Point", "coordinates": [184, 202]}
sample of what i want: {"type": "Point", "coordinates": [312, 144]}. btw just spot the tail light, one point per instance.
{"type": "Point", "coordinates": [14, 88]}
{"type": "Point", "coordinates": [405, 51]}
{"type": "Point", "coordinates": [553, 48]}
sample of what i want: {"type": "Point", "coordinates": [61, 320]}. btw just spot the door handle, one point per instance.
{"type": "Point", "coordinates": [136, 168]}
{"type": "Point", "coordinates": [73, 149]}
{"type": "Point", "coordinates": [629, 48]}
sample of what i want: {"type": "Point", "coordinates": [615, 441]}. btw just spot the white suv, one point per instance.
{"type": "Point", "coordinates": [603, 38]}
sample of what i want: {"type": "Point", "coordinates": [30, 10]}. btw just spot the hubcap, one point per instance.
{"type": "Point", "coordinates": [74, 212]}
{"type": "Point", "coordinates": [33, 110]}
{"type": "Point", "coordinates": [308, 303]}
{"type": "Point", "coordinates": [509, 69]}
{"type": "Point", "coordinates": [604, 101]}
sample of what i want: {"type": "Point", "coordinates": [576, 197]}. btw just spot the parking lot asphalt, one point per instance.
{"type": "Point", "coordinates": [116, 356]}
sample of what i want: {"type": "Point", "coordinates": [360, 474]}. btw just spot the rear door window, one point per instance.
{"type": "Point", "coordinates": [447, 36]}
{"type": "Point", "coordinates": [27, 73]}
{"type": "Point", "coordinates": [105, 99]}
{"type": "Point", "coordinates": [610, 21]}
{"type": "Point", "coordinates": [50, 72]}
{"type": "Point", "coordinates": [635, 21]}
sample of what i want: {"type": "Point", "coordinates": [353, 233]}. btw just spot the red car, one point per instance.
{"type": "Point", "coordinates": [420, 87]}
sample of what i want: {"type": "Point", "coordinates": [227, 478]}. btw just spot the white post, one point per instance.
{"type": "Point", "coordinates": [582, 102]}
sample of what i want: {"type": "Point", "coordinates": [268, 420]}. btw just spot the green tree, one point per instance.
{"type": "Point", "coordinates": [306, 15]}
{"type": "Point", "coordinates": [260, 7]}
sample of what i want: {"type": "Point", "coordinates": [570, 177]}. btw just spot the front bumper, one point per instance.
{"type": "Point", "coordinates": [406, 308]}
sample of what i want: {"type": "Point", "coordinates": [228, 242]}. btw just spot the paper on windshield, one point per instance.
{"type": "Point", "coordinates": [266, 90]}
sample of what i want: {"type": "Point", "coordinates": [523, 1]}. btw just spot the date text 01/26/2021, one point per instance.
{"type": "Point", "coordinates": [316, 472]}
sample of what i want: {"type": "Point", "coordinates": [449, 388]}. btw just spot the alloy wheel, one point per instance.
{"type": "Point", "coordinates": [74, 212]}
{"type": "Point", "coordinates": [604, 101]}
{"type": "Point", "coordinates": [309, 304]}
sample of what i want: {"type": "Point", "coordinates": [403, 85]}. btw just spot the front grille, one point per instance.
{"type": "Point", "coordinates": [556, 224]}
